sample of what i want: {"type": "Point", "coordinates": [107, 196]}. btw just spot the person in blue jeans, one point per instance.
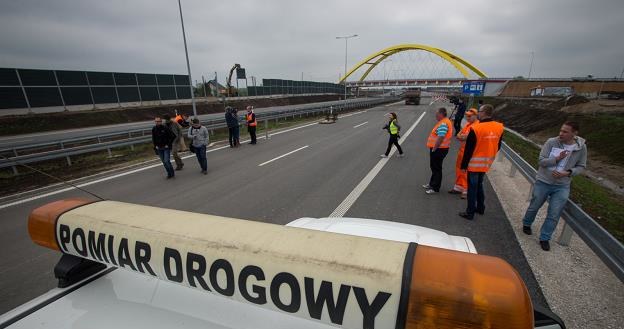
{"type": "Point", "coordinates": [199, 139]}
{"type": "Point", "coordinates": [163, 139]}
{"type": "Point", "coordinates": [560, 158]}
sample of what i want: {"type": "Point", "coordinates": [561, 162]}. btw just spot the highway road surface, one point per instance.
{"type": "Point", "coordinates": [58, 135]}
{"type": "Point", "coordinates": [312, 170]}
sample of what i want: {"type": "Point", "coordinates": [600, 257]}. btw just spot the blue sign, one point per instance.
{"type": "Point", "coordinates": [474, 87]}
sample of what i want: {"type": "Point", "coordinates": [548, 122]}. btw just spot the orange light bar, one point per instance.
{"type": "Point", "coordinates": [452, 289]}
{"type": "Point", "coordinates": [380, 283]}
{"type": "Point", "coordinates": [42, 220]}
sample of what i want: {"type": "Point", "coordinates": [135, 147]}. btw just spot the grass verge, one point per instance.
{"type": "Point", "coordinates": [604, 206]}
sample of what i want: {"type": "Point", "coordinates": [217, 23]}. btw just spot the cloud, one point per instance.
{"type": "Point", "coordinates": [282, 39]}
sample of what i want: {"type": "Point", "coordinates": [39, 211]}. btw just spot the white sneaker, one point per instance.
{"type": "Point", "coordinates": [430, 191]}
{"type": "Point", "coordinates": [400, 155]}
{"type": "Point", "coordinates": [426, 186]}
{"type": "Point", "coordinates": [383, 156]}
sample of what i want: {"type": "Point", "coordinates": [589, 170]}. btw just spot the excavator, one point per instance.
{"type": "Point", "coordinates": [231, 91]}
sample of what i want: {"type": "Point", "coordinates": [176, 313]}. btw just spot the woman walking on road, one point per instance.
{"type": "Point", "coordinates": [393, 129]}
{"type": "Point", "coordinates": [199, 140]}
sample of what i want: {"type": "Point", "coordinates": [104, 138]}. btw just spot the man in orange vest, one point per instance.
{"type": "Point", "coordinates": [438, 143]}
{"type": "Point", "coordinates": [251, 124]}
{"type": "Point", "coordinates": [461, 177]}
{"type": "Point", "coordinates": [182, 120]}
{"type": "Point", "coordinates": [482, 144]}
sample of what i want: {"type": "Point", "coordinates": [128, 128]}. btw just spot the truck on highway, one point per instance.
{"type": "Point", "coordinates": [412, 96]}
{"type": "Point", "coordinates": [131, 266]}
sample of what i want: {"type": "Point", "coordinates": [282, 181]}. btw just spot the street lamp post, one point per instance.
{"type": "Point", "coordinates": [188, 65]}
{"type": "Point", "coordinates": [531, 65]}
{"type": "Point", "coordinates": [346, 39]}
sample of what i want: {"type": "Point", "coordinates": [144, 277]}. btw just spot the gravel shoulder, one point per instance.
{"type": "Point", "coordinates": [577, 285]}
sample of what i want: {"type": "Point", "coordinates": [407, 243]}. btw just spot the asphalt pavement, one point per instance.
{"type": "Point", "coordinates": [69, 134]}
{"type": "Point", "coordinates": [305, 171]}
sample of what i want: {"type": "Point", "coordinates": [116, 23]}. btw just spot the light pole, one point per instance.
{"type": "Point", "coordinates": [531, 65]}
{"type": "Point", "coordinates": [385, 77]}
{"type": "Point", "coordinates": [188, 65]}
{"type": "Point", "coordinates": [346, 39]}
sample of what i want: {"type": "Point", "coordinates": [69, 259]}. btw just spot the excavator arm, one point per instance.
{"type": "Point", "coordinates": [229, 79]}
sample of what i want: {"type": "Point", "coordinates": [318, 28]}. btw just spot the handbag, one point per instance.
{"type": "Point", "coordinates": [191, 146]}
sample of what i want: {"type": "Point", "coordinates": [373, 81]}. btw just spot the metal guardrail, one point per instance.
{"type": "Point", "coordinates": [604, 245]}
{"type": "Point", "coordinates": [67, 152]}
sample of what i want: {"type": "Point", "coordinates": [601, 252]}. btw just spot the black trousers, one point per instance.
{"type": "Point", "coordinates": [394, 139]}
{"type": "Point", "coordinates": [252, 133]}
{"type": "Point", "coordinates": [457, 124]}
{"type": "Point", "coordinates": [232, 136]}
{"type": "Point", "coordinates": [435, 163]}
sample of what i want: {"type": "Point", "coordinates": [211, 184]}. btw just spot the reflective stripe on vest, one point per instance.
{"type": "Point", "coordinates": [393, 128]}
{"type": "Point", "coordinates": [251, 124]}
{"type": "Point", "coordinates": [433, 137]}
{"type": "Point", "coordinates": [488, 135]}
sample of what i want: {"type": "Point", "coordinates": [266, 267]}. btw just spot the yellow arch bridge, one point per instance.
{"type": "Point", "coordinates": [463, 66]}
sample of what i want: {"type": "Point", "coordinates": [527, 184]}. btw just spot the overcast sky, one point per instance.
{"type": "Point", "coordinates": [282, 39]}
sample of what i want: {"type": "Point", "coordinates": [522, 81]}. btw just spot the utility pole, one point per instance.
{"type": "Point", "coordinates": [188, 65]}
{"type": "Point", "coordinates": [531, 65]}
{"type": "Point", "coordinates": [346, 39]}
{"type": "Point", "coordinates": [204, 84]}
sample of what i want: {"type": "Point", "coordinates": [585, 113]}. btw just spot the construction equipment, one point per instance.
{"type": "Point", "coordinates": [231, 91]}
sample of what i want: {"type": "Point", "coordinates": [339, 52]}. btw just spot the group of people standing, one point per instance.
{"type": "Point", "coordinates": [232, 121]}
{"type": "Point", "coordinates": [480, 140]}
{"type": "Point", "coordinates": [168, 137]}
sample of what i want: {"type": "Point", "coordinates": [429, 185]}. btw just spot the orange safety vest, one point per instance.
{"type": "Point", "coordinates": [253, 123]}
{"type": "Point", "coordinates": [465, 131]}
{"type": "Point", "coordinates": [488, 134]}
{"type": "Point", "coordinates": [433, 137]}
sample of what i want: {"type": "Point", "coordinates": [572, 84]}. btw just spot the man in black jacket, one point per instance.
{"type": "Point", "coordinates": [163, 139]}
{"type": "Point", "coordinates": [231, 119]}
{"type": "Point", "coordinates": [460, 110]}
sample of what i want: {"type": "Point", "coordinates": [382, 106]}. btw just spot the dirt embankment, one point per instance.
{"type": "Point", "coordinates": [522, 88]}
{"type": "Point", "coordinates": [32, 123]}
{"type": "Point", "coordinates": [601, 124]}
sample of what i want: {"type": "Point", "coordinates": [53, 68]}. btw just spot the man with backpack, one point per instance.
{"type": "Point", "coordinates": [178, 143]}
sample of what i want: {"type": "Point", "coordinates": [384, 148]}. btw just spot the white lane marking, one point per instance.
{"type": "Point", "coordinates": [399, 102]}
{"type": "Point", "coordinates": [361, 124]}
{"type": "Point", "coordinates": [350, 114]}
{"type": "Point", "coordinates": [346, 204]}
{"type": "Point", "coordinates": [283, 155]}
{"type": "Point", "coordinates": [104, 179]}
{"type": "Point", "coordinates": [291, 129]}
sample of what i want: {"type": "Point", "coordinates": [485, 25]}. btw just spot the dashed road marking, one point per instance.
{"type": "Point", "coordinates": [283, 155]}
{"type": "Point", "coordinates": [346, 204]}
